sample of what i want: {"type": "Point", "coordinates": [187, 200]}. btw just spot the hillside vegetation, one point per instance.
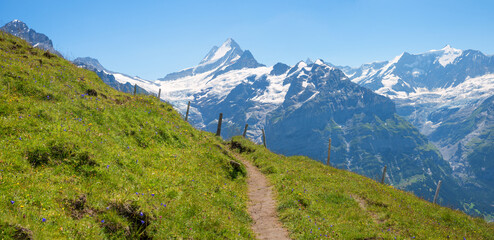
{"type": "Point", "coordinates": [316, 201]}
{"type": "Point", "coordinates": [81, 160]}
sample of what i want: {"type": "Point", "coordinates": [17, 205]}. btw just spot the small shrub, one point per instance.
{"type": "Point", "coordinates": [62, 150]}
{"type": "Point", "coordinates": [92, 92]}
{"type": "Point", "coordinates": [84, 159]}
{"type": "Point", "coordinates": [9, 231]}
{"type": "Point", "coordinates": [137, 219]}
{"type": "Point", "coordinates": [38, 156]}
{"type": "Point", "coordinates": [240, 147]}
{"type": "Point", "coordinates": [48, 55]}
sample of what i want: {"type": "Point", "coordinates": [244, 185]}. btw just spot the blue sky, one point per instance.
{"type": "Point", "coordinates": [152, 38]}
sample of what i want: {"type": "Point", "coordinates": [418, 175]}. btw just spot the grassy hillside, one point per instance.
{"type": "Point", "coordinates": [81, 160]}
{"type": "Point", "coordinates": [315, 201]}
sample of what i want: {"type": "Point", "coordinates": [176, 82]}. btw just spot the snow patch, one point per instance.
{"type": "Point", "coordinates": [386, 69]}
{"type": "Point", "coordinates": [449, 56]}
{"type": "Point", "coordinates": [446, 55]}
{"type": "Point", "coordinates": [319, 62]}
{"type": "Point", "coordinates": [220, 52]}
{"type": "Point", "coordinates": [301, 64]}
{"type": "Point", "coordinates": [275, 93]}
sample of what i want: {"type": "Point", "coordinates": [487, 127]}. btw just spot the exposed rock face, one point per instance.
{"type": "Point", "coordinates": [39, 40]}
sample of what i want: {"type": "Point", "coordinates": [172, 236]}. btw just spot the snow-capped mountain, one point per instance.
{"type": "Point", "coordinates": [218, 58]}
{"type": "Point", "coordinates": [447, 94]}
{"type": "Point", "coordinates": [39, 40]}
{"type": "Point", "coordinates": [366, 132]}
{"type": "Point", "coordinates": [409, 73]}
{"type": "Point", "coordinates": [432, 87]}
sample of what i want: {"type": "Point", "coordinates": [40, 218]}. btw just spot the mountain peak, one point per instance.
{"type": "Point", "coordinates": [445, 49]}
{"type": "Point", "coordinates": [449, 48]}
{"type": "Point", "coordinates": [248, 60]}
{"type": "Point", "coordinates": [20, 29]}
{"type": "Point", "coordinates": [319, 62]}
{"type": "Point", "coordinates": [15, 26]}
{"type": "Point", "coordinates": [216, 53]}
{"type": "Point", "coordinates": [217, 58]}
{"type": "Point", "coordinates": [230, 42]}
{"type": "Point", "coordinates": [447, 55]}
{"type": "Point", "coordinates": [301, 64]}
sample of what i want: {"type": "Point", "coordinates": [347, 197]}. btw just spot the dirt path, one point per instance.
{"type": "Point", "coordinates": [262, 207]}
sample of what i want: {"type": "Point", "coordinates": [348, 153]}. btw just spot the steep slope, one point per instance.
{"type": "Point", "coordinates": [81, 160]}
{"type": "Point", "coordinates": [38, 40]}
{"type": "Point", "coordinates": [469, 144]}
{"type": "Point", "coordinates": [319, 202]}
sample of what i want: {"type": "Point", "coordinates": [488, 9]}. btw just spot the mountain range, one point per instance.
{"type": "Point", "coordinates": [433, 89]}
{"type": "Point", "coordinates": [448, 95]}
{"type": "Point", "coordinates": [427, 117]}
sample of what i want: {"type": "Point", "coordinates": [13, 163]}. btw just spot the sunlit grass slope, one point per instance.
{"type": "Point", "coordinates": [320, 202]}
{"type": "Point", "coordinates": [81, 160]}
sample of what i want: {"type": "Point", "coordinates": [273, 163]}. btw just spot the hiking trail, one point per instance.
{"type": "Point", "coordinates": [262, 206]}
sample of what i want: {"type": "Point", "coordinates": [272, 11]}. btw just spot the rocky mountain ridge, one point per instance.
{"type": "Point", "coordinates": [38, 40]}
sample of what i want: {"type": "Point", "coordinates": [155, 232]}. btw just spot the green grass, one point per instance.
{"type": "Point", "coordinates": [79, 160]}
{"type": "Point", "coordinates": [316, 201]}
{"type": "Point", "coordinates": [99, 164]}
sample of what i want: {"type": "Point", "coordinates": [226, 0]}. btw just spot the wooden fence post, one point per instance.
{"type": "Point", "coordinates": [245, 130]}
{"type": "Point", "coordinates": [159, 94]}
{"type": "Point", "coordinates": [218, 132]}
{"type": "Point", "coordinates": [135, 89]}
{"type": "Point", "coordinates": [329, 150]}
{"type": "Point", "coordinates": [264, 138]}
{"type": "Point", "coordinates": [187, 114]}
{"type": "Point", "coordinates": [437, 191]}
{"type": "Point", "coordinates": [384, 174]}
